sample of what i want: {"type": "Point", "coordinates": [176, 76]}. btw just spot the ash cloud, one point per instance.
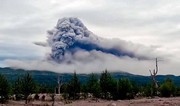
{"type": "Point", "coordinates": [70, 35]}
{"type": "Point", "coordinates": [71, 46]}
{"type": "Point", "coordinates": [44, 44]}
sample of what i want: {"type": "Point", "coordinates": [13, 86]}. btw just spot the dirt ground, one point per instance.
{"type": "Point", "coordinates": [175, 101]}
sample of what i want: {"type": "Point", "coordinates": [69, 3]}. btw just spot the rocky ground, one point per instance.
{"type": "Point", "coordinates": [175, 101]}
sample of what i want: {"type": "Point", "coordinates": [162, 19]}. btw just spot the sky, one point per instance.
{"type": "Point", "coordinates": [153, 24]}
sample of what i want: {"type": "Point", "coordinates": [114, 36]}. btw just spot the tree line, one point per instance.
{"type": "Point", "coordinates": [105, 87]}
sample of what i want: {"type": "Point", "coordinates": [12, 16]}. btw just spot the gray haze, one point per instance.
{"type": "Point", "coordinates": [151, 26]}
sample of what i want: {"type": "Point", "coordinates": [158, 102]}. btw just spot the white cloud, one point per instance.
{"type": "Point", "coordinates": [96, 61]}
{"type": "Point", "coordinates": [151, 23]}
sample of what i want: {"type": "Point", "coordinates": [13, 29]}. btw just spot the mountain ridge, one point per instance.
{"type": "Point", "coordinates": [49, 77]}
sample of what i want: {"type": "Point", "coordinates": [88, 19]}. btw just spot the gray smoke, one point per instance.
{"type": "Point", "coordinates": [71, 46]}
{"type": "Point", "coordinates": [70, 35]}
{"type": "Point", "coordinates": [67, 32]}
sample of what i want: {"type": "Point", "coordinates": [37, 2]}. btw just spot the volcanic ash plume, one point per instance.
{"type": "Point", "coordinates": [70, 36]}
{"type": "Point", "coordinates": [71, 46]}
{"type": "Point", "coordinates": [65, 35]}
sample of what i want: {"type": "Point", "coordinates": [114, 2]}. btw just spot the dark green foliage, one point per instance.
{"type": "Point", "coordinates": [17, 86]}
{"type": "Point", "coordinates": [73, 87]}
{"type": "Point", "coordinates": [64, 90]}
{"type": "Point", "coordinates": [28, 85]}
{"type": "Point", "coordinates": [4, 89]}
{"type": "Point", "coordinates": [125, 89]}
{"type": "Point", "coordinates": [91, 82]}
{"type": "Point", "coordinates": [17, 89]}
{"type": "Point", "coordinates": [135, 88]}
{"type": "Point", "coordinates": [101, 86]}
{"type": "Point", "coordinates": [167, 89]}
{"type": "Point", "coordinates": [84, 91]}
{"type": "Point", "coordinates": [43, 88]}
{"type": "Point", "coordinates": [147, 90]}
{"type": "Point", "coordinates": [97, 90]}
{"type": "Point", "coordinates": [24, 86]}
{"type": "Point", "coordinates": [107, 84]}
{"type": "Point", "coordinates": [93, 86]}
{"type": "Point", "coordinates": [178, 91]}
{"type": "Point", "coordinates": [50, 78]}
{"type": "Point", "coordinates": [121, 89]}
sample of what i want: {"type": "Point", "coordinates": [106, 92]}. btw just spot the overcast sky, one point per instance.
{"type": "Point", "coordinates": [152, 23]}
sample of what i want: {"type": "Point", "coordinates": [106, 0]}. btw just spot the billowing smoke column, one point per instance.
{"type": "Point", "coordinates": [70, 35]}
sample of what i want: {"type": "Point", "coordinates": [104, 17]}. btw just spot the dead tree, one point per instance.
{"type": "Point", "coordinates": [153, 77]}
{"type": "Point", "coordinates": [60, 83]}
{"type": "Point", "coordinates": [53, 97]}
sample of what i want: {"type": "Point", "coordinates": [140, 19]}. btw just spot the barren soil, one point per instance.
{"type": "Point", "coordinates": [175, 101]}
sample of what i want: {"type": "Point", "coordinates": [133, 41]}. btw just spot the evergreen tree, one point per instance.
{"type": "Point", "coordinates": [4, 89]}
{"type": "Point", "coordinates": [93, 85]}
{"type": "Point", "coordinates": [28, 85]}
{"type": "Point", "coordinates": [74, 87]}
{"type": "Point", "coordinates": [84, 90]}
{"type": "Point", "coordinates": [64, 90]}
{"type": "Point", "coordinates": [135, 88]}
{"type": "Point", "coordinates": [107, 84]}
{"type": "Point", "coordinates": [17, 88]}
{"type": "Point", "coordinates": [125, 88]}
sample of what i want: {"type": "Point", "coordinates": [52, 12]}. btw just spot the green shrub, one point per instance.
{"type": "Point", "coordinates": [167, 89]}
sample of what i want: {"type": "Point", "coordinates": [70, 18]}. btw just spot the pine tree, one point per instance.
{"type": "Point", "coordinates": [125, 88]}
{"type": "Point", "coordinates": [74, 87]}
{"type": "Point", "coordinates": [4, 89]}
{"type": "Point", "coordinates": [28, 85]}
{"type": "Point", "coordinates": [93, 85]}
{"type": "Point", "coordinates": [107, 84]}
{"type": "Point", "coordinates": [17, 88]}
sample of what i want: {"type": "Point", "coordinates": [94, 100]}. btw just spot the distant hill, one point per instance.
{"type": "Point", "coordinates": [48, 77]}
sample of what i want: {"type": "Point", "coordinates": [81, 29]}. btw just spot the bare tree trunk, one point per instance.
{"type": "Point", "coordinates": [53, 99]}
{"type": "Point", "coordinates": [153, 77]}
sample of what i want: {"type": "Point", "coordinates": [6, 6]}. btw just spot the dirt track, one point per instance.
{"type": "Point", "coordinates": [138, 102]}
